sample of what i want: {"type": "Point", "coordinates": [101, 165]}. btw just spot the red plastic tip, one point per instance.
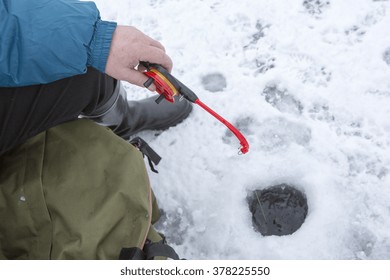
{"type": "Point", "coordinates": [244, 143]}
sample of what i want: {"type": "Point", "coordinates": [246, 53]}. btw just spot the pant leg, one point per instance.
{"type": "Point", "coordinates": [75, 191]}
{"type": "Point", "coordinates": [27, 111]}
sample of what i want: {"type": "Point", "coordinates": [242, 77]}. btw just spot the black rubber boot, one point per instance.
{"type": "Point", "coordinates": [127, 118]}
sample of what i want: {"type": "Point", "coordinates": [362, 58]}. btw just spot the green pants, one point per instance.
{"type": "Point", "coordinates": [75, 191]}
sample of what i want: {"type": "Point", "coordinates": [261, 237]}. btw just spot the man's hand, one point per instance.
{"type": "Point", "coordinates": [129, 46]}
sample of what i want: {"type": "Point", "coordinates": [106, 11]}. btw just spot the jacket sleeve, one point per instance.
{"type": "Point", "coordinates": [46, 40]}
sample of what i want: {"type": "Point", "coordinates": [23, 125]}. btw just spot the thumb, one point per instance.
{"type": "Point", "coordinates": [136, 78]}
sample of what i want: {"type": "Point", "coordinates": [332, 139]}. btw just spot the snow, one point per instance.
{"type": "Point", "coordinates": [307, 82]}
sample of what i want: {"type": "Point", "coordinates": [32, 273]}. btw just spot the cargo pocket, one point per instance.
{"type": "Point", "coordinates": [97, 192]}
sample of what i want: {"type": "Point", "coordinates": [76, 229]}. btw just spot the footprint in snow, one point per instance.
{"type": "Point", "coordinates": [281, 99]}
{"type": "Point", "coordinates": [214, 82]}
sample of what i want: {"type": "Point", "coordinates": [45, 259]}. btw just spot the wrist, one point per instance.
{"type": "Point", "coordinates": [99, 47]}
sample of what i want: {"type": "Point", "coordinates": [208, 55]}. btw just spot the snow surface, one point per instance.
{"type": "Point", "coordinates": [308, 83]}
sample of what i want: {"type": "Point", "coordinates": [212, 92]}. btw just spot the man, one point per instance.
{"type": "Point", "coordinates": [67, 185]}
{"type": "Point", "coordinates": [46, 45]}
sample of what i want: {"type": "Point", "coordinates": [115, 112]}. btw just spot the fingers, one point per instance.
{"type": "Point", "coordinates": [155, 55]}
{"type": "Point", "coordinates": [151, 41]}
{"type": "Point", "coordinates": [129, 46]}
{"type": "Point", "coordinates": [157, 44]}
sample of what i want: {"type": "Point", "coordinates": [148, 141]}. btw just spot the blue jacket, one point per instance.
{"type": "Point", "coordinates": [45, 40]}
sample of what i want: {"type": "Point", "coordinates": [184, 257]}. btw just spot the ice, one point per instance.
{"type": "Point", "coordinates": [307, 82]}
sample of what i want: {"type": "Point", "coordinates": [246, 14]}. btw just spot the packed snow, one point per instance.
{"type": "Point", "coordinates": [308, 84]}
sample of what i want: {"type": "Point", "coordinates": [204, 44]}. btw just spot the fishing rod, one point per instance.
{"type": "Point", "coordinates": [167, 86]}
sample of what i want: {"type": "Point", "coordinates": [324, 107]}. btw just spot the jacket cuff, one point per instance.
{"type": "Point", "coordinates": [100, 45]}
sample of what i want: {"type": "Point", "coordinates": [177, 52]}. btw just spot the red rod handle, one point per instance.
{"type": "Point", "coordinates": [244, 144]}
